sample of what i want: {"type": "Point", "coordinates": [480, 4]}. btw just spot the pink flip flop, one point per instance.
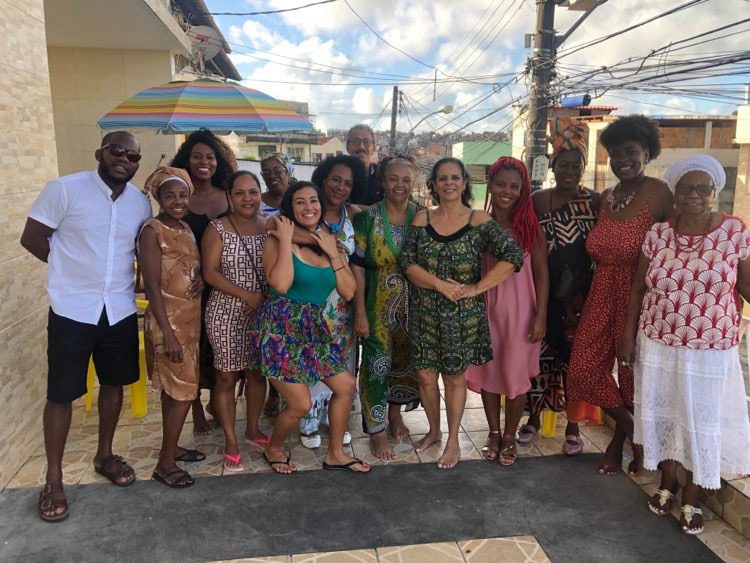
{"type": "Point", "coordinates": [235, 461]}
{"type": "Point", "coordinates": [259, 443]}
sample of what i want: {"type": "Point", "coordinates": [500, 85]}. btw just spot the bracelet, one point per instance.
{"type": "Point", "coordinates": [337, 269]}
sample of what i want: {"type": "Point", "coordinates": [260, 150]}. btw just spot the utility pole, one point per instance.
{"type": "Point", "coordinates": [394, 114]}
{"type": "Point", "coordinates": [546, 44]}
{"type": "Point", "coordinates": [542, 70]}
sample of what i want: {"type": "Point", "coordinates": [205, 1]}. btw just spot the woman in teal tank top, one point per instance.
{"type": "Point", "coordinates": [296, 345]}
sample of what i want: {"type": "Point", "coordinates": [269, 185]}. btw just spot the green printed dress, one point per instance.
{"type": "Point", "coordinates": [387, 373]}
{"type": "Point", "coordinates": [447, 337]}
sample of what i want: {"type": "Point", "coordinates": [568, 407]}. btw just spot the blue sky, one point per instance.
{"type": "Point", "coordinates": [325, 55]}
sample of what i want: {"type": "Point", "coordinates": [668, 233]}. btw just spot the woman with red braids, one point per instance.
{"type": "Point", "coordinates": [516, 311]}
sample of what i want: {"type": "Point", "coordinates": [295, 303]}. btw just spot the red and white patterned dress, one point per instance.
{"type": "Point", "coordinates": [689, 392]}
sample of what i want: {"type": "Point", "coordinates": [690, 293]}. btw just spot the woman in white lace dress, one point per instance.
{"type": "Point", "coordinates": [682, 333]}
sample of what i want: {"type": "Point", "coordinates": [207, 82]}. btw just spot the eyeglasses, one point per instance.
{"type": "Point", "coordinates": [704, 190]}
{"type": "Point", "coordinates": [278, 171]}
{"type": "Point", "coordinates": [357, 142]}
{"type": "Point", "coordinates": [118, 151]}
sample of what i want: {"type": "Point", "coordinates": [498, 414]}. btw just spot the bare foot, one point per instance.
{"type": "Point", "coordinates": [380, 447]}
{"type": "Point", "coordinates": [428, 439]}
{"type": "Point", "coordinates": [396, 425]}
{"type": "Point", "coordinates": [348, 463]}
{"type": "Point", "coordinates": [450, 457]}
{"type": "Point", "coordinates": [634, 467]}
{"type": "Point", "coordinates": [612, 463]}
{"type": "Point", "coordinates": [200, 424]}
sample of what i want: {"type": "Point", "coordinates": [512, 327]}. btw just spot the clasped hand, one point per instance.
{"type": "Point", "coordinates": [454, 291]}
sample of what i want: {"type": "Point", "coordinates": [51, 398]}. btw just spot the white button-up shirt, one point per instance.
{"type": "Point", "coordinates": [92, 250]}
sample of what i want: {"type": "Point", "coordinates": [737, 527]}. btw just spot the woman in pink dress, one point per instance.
{"type": "Point", "coordinates": [516, 311]}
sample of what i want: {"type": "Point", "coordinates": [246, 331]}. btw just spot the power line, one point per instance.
{"type": "Point", "coordinates": [267, 12]}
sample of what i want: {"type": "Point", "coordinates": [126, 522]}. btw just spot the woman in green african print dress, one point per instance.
{"type": "Point", "coordinates": [386, 378]}
{"type": "Point", "coordinates": [448, 324]}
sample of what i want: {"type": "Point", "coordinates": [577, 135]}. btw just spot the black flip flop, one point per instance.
{"type": "Point", "coordinates": [180, 483]}
{"type": "Point", "coordinates": [346, 466]}
{"type": "Point", "coordinates": [190, 456]}
{"type": "Point", "coordinates": [274, 463]}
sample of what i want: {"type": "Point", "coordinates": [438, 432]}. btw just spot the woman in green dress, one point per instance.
{"type": "Point", "coordinates": [442, 259]}
{"type": "Point", "coordinates": [386, 378]}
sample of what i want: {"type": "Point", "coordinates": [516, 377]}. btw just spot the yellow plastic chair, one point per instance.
{"type": "Point", "coordinates": [138, 390]}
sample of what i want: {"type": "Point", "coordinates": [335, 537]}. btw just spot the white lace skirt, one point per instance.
{"type": "Point", "coordinates": [690, 407]}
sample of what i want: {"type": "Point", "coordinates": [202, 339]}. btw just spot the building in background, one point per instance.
{"type": "Point", "coordinates": [478, 156]}
{"type": "Point", "coordinates": [71, 61]}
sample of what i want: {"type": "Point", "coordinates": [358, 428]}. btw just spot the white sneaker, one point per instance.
{"type": "Point", "coordinates": [347, 438]}
{"type": "Point", "coordinates": [311, 442]}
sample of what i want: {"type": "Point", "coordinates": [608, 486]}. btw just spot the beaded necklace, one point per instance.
{"type": "Point", "coordinates": [697, 240]}
{"type": "Point", "coordinates": [617, 206]}
{"type": "Point", "coordinates": [337, 227]}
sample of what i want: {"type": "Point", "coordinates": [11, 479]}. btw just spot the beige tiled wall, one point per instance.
{"type": "Point", "coordinates": [27, 159]}
{"type": "Point", "coordinates": [86, 84]}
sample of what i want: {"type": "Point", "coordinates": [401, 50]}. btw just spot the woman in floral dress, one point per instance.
{"type": "Point", "coordinates": [442, 258]}
{"type": "Point", "coordinates": [386, 379]}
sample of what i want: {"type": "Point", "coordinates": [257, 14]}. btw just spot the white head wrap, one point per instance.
{"type": "Point", "coordinates": [698, 162]}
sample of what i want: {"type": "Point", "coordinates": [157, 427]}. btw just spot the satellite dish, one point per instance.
{"type": "Point", "coordinates": [206, 42]}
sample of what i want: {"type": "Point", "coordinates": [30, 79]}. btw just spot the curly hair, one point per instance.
{"type": "Point", "coordinates": [637, 128]}
{"type": "Point", "coordinates": [525, 222]}
{"type": "Point", "coordinates": [466, 196]}
{"type": "Point", "coordinates": [324, 169]}
{"type": "Point", "coordinates": [286, 208]}
{"type": "Point", "coordinates": [226, 163]}
{"type": "Point", "coordinates": [382, 170]}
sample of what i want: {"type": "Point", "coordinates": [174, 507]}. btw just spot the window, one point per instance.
{"type": "Point", "coordinates": [297, 153]}
{"type": "Point", "coordinates": [266, 150]}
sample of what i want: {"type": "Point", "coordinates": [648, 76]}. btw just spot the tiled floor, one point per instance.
{"type": "Point", "coordinates": [138, 441]}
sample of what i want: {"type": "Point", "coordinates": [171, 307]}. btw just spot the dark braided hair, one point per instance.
{"type": "Point", "coordinates": [523, 217]}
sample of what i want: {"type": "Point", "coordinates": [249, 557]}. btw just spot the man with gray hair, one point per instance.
{"type": "Point", "coordinates": [360, 142]}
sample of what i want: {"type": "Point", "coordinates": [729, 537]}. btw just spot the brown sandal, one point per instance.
{"type": "Point", "coordinates": [491, 446]}
{"type": "Point", "coordinates": [508, 454]}
{"type": "Point", "coordinates": [113, 468]}
{"type": "Point", "coordinates": [49, 501]}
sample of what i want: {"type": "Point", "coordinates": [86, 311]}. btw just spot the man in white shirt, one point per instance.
{"type": "Point", "coordinates": [84, 226]}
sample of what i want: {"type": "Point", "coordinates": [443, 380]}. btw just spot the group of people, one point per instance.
{"type": "Point", "coordinates": [563, 299]}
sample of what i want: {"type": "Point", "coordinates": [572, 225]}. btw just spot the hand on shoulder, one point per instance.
{"type": "Point", "coordinates": [420, 219]}
{"type": "Point", "coordinates": [480, 217]}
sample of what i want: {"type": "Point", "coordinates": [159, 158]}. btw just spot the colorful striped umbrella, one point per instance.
{"type": "Point", "coordinates": [182, 107]}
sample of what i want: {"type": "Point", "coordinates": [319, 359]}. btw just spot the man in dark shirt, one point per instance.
{"type": "Point", "coordinates": [360, 142]}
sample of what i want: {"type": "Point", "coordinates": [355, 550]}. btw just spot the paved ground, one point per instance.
{"type": "Point", "coordinates": [527, 509]}
{"type": "Point", "coordinates": [553, 499]}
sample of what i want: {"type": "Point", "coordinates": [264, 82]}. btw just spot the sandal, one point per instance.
{"type": "Point", "coordinates": [49, 501]}
{"type": "Point", "coordinates": [491, 446]}
{"type": "Point", "coordinates": [508, 454]}
{"type": "Point", "coordinates": [113, 468]}
{"type": "Point", "coordinates": [182, 482]}
{"type": "Point", "coordinates": [348, 466]}
{"type": "Point", "coordinates": [573, 445]}
{"type": "Point", "coordinates": [235, 461]}
{"type": "Point", "coordinates": [689, 514]}
{"type": "Point", "coordinates": [661, 502]}
{"type": "Point", "coordinates": [527, 433]}
{"type": "Point", "coordinates": [190, 456]}
{"type": "Point", "coordinates": [273, 464]}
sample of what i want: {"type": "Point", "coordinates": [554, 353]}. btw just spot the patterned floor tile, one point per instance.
{"type": "Point", "coordinates": [524, 450]}
{"type": "Point", "coordinates": [726, 542]}
{"type": "Point", "coordinates": [416, 420]}
{"type": "Point", "coordinates": [355, 556]}
{"type": "Point", "coordinates": [426, 553]}
{"type": "Point", "coordinates": [273, 559]}
{"type": "Point", "coordinates": [521, 549]}
{"type": "Point", "coordinates": [33, 472]}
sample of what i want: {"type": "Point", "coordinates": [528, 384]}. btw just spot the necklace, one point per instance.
{"type": "Point", "coordinates": [617, 206]}
{"type": "Point", "coordinates": [388, 230]}
{"type": "Point", "coordinates": [696, 241]}
{"type": "Point", "coordinates": [336, 227]}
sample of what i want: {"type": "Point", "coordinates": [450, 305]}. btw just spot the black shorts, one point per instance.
{"type": "Point", "coordinates": [70, 344]}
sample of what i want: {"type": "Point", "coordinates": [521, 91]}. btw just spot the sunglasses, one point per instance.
{"type": "Point", "coordinates": [278, 171]}
{"type": "Point", "coordinates": [118, 151]}
{"type": "Point", "coordinates": [704, 190]}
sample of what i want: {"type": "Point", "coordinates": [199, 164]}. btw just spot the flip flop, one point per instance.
{"type": "Point", "coordinates": [235, 460]}
{"type": "Point", "coordinates": [273, 464]}
{"type": "Point", "coordinates": [346, 466]}
{"type": "Point", "coordinates": [190, 456]}
{"type": "Point", "coordinates": [259, 443]}
{"type": "Point", "coordinates": [182, 482]}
